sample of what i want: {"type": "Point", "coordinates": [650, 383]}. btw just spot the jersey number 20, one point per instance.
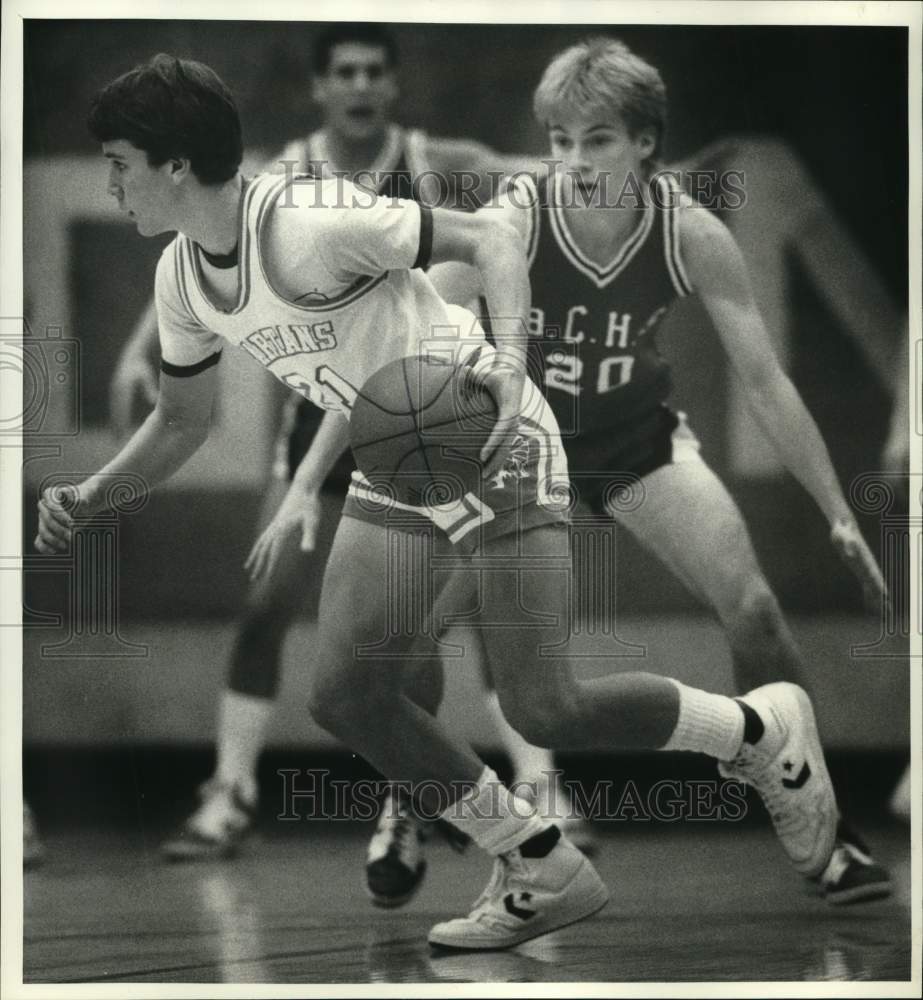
{"type": "Point", "coordinates": [565, 371]}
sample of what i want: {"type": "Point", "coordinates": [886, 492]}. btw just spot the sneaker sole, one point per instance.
{"type": "Point", "coordinates": [816, 753]}
{"type": "Point", "coordinates": [595, 899]}
{"type": "Point", "coordinates": [859, 894]}
{"type": "Point", "coordinates": [393, 902]}
{"type": "Point", "coordinates": [181, 851]}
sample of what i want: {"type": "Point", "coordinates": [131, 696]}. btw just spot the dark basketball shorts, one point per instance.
{"type": "Point", "coordinates": [607, 480]}
{"type": "Point", "coordinates": [301, 420]}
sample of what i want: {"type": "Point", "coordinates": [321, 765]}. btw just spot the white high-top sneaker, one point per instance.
{"type": "Point", "coordinates": [526, 897]}
{"type": "Point", "coordinates": [786, 766]}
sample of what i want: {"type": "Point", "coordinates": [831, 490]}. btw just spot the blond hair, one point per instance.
{"type": "Point", "coordinates": [602, 76]}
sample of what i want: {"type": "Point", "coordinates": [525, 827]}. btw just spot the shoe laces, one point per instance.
{"type": "Point", "coordinates": [398, 826]}
{"type": "Point", "coordinates": [487, 908]}
{"type": "Point", "coordinates": [493, 888]}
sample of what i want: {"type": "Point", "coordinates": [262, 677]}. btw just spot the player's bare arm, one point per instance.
{"type": "Point", "coordinates": [485, 167]}
{"type": "Point", "coordinates": [460, 283]}
{"type": "Point", "coordinates": [718, 274]}
{"type": "Point", "coordinates": [495, 249]}
{"type": "Point", "coordinates": [300, 510]}
{"type": "Point", "coordinates": [135, 372]}
{"type": "Point", "coordinates": [171, 435]}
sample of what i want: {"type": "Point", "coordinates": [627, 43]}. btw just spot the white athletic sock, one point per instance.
{"type": "Point", "coordinates": [534, 765]}
{"type": "Point", "coordinates": [242, 722]}
{"type": "Point", "coordinates": [493, 817]}
{"type": "Point", "coordinates": [707, 723]}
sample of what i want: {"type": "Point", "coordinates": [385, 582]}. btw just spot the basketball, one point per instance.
{"type": "Point", "coordinates": [417, 429]}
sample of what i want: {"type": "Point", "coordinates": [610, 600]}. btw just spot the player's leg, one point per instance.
{"type": "Point", "coordinates": [395, 862]}
{"type": "Point", "coordinates": [526, 581]}
{"type": "Point", "coordinates": [228, 800]}
{"type": "Point", "coordinates": [357, 695]}
{"type": "Point", "coordinates": [690, 521]}
{"type": "Point", "coordinates": [357, 688]}
{"type": "Point", "coordinates": [227, 809]}
{"type": "Point", "coordinates": [535, 775]}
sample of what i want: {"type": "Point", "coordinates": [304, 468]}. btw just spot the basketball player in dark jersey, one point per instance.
{"type": "Point", "coordinates": [355, 85]}
{"type": "Point", "coordinates": [611, 246]}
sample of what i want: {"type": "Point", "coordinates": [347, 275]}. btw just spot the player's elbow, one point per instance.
{"type": "Point", "coordinates": [500, 246]}
{"type": "Point", "coordinates": [500, 236]}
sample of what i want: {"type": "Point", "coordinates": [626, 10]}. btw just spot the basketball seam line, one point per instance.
{"type": "Point", "coordinates": [416, 427]}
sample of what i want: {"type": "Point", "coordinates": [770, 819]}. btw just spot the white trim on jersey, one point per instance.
{"type": "Point", "coordinates": [456, 519]}
{"type": "Point", "coordinates": [318, 151]}
{"type": "Point", "coordinates": [415, 151]}
{"type": "Point", "coordinates": [600, 275]}
{"type": "Point", "coordinates": [671, 193]}
{"type": "Point", "coordinates": [527, 183]}
{"type": "Point", "coordinates": [188, 252]}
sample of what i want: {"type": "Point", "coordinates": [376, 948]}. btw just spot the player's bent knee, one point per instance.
{"type": "Point", "coordinates": [354, 699]}
{"type": "Point", "coordinates": [334, 702]}
{"type": "Point", "coordinates": [757, 613]}
{"type": "Point", "coordinates": [538, 724]}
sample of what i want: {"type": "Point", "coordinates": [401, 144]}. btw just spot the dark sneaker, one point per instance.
{"type": "Point", "coordinates": [852, 875]}
{"type": "Point", "coordinates": [395, 865]}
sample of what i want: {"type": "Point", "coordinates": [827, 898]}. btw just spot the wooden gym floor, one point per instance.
{"type": "Point", "coordinates": [690, 902]}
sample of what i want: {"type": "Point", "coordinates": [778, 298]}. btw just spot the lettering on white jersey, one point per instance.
{"type": "Point", "coordinates": [328, 389]}
{"type": "Point", "coordinates": [270, 343]}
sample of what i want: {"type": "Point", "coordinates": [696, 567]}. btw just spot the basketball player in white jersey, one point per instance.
{"type": "Point", "coordinates": [355, 86]}
{"type": "Point", "coordinates": [611, 248]}
{"type": "Point", "coordinates": [324, 293]}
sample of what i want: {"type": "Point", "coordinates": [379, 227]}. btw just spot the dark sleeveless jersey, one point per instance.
{"type": "Point", "coordinates": [593, 330]}
{"type": "Point", "coordinates": [400, 162]}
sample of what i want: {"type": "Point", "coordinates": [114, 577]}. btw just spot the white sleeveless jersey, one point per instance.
{"type": "Point", "coordinates": [365, 303]}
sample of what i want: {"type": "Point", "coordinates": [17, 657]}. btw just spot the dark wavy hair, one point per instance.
{"type": "Point", "coordinates": [358, 32]}
{"type": "Point", "coordinates": [173, 108]}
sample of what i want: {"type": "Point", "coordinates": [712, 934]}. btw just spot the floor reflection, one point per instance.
{"type": "Point", "coordinates": [229, 910]}
{"type": "Point", "coordinates": [851, 955]}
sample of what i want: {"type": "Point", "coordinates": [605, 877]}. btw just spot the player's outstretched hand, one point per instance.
{"type": "Point", "coordinates": [848, 541]}
{"type": "Point", "coordinates": [506, 390]}
{"type": "Point", "coordinates": [55, 519]}
{"type": "Point", "coordinates": [297, 517]}
{"type": "Point", "coordinates": [135, 374]}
